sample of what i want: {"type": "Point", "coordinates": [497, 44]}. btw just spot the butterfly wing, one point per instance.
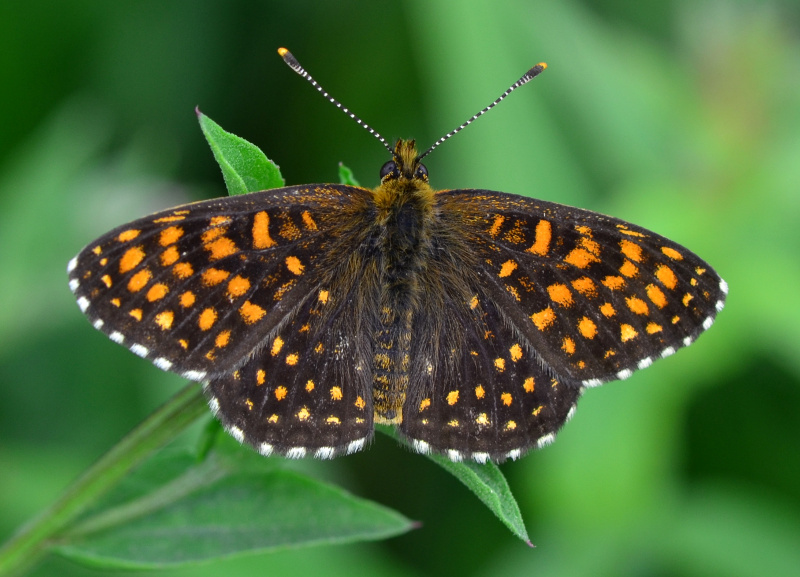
{"type": "Point", "coordinates": [211, 290]}
{"type": "Point", "coordinates": [561, 298]}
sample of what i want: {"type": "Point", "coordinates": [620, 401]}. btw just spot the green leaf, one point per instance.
{"type": "Point", "coordinates": [244, 167]}
{"type": "Point", "coordinates": [346, 176]}
{"type": "Point", "coordinates": [230, 504]}
{"type": "Point", "coordinates": [486, 481]}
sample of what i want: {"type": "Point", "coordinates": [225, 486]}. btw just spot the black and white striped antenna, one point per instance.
{"type": "Point", "coordinates": [295, 65]}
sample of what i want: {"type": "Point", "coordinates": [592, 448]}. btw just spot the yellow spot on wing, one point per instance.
{"type": "Point", "coordinates": [336, 393]}
{"type": "Point", "coordinates": [511, 425]}
{"type": "Point", "coordinates": [106, 280]}
{"type": "Point", "coordinates": [686, 298]}
{"type": "Point", "coordinates": [333, 420]}
{"type": "Point", "coordinates": [132, 257]}
{"type": "Point", "coordinates": [627, 332]}
{"type": "Point", "coordinates": [164, 319]}
{"type": "Point", "coordinates": [168, 219]}
{"type": "Point", "coordinates": [292, 359]}
{"type": "Point", "coordinates": [116, 302]}
{"type": "Point", "coordinates": [500, 365]}
{"type": "Point", "coordinates": [260, 377]}
{"type": "Point", "coordinates": [273, 418]}
{"type": "Point", "coordinates": [280, 393]}
{"type": "Point", "coordinates": [424, 404]}
{"type": "Point", "coordinates": [98, 250]}
{"type": "Point", "coordinates": [452, 397]}
{"type": "Point", "coordinates": [473, 302]}
{"type": "Point", "coordinates": [516, 352]}
{"type": "Point", "coordinates": [136, 313]}
{"type": "Point", "coordinates": [585, 286]}
{"type": "Point", "coordinates": [482, 419]}
{"type": "Point", "coordinates": [608, 310]}
{"type": "Point", "coordinates": [614, 282]}
{"type": "Point", "coordinates": [506, 398]}
{"type": "Point", "coordinates": [568, 345]}
{"type": "Point", "coordinates": [653, 328]}
{"type": "Point", "coordinates": [360, 403]}
{"type": "Point", "coordinates": [479, 392]}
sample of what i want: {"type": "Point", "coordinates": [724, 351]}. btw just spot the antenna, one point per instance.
{"type": "Point", "coordinates": [527, 77]}
{"type": "Point", "coordinates": [295, 65]}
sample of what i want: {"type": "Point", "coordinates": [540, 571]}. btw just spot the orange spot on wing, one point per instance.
{"type": "Point", "coordinates": [261, 376]}
{"type": "Point", "coordinates": [496, 225]}
{"type": "Point", "coordinates": [653, 328]}
{"type": "Point", "coordinates": [585, 286]}
{"type": "Point", "coordinates": [542, 238]}
{"type": "Point", "coordinates": [187, 299]}
{"type": "Point", "coordinates": [336, 393]}
{"type": "Point", "coordinates": [164, 319]}
{"type": "Point", "coordinates": [222, 339]}
{"type": "Point", "coordinates": [294, 265]}
{"type": "Point", "coordinates": [516, 352]}
{"type": "Point", "coordinates": [608, 310]}
{"type": "Point", "coordinates": [136, 313]}
{"type": "Point", "coordinates": [543, 318]}
{"type": "Point", "coordinates": [632, 250]}
{"type": "Point", "coordinates": [308, 221]}
{"type": "Point", "coordinates": [281, 392]}
{"type": "Point", "coordinates": [559, 293]}
{"type": "Point", "coordinates": [507, 268]}
{"type": "Point", "coordinates": [479, 392]}
{"type": "Point", "coordinates": [666, 276]}
{"type": "Point", "coordinates": [214, 276]}
{"type": "Point", "coordinates": [529, 385]}
{"type": "Point", "coordinates": [261, 237]}
{"type": "Point", "coordinates": [452, 397]}
{"type": "Point", "coordinates": [587, 328]}
{"type": "Point", "coordinates": [613, 282]}
{"type": "Point", "coordinates": [130, 260]}
{"type": "Point", "coordinates": [637, 305]}
{"type": "Point", "coordinates": [238, 286]}
{"type": "Point", "coordinates": [139, 280]}
{"type": "Point", "coordinates": [671, 253]}
{"type": "Point", "coordinates": [207, 319]}
{"type": "Point", "coordinates": [157, 291]}
{"type": "Point", "coordinates": [170, 235]}
{"type": "Point", "coordinates": [183, 270]}
{"type": "Point", "coordinates": [568, 345]}
{"type": "Point", "coordinates": [220, 248]}
{"type": "Point", "coordinates": [424, 404]}
{"type": "Point", "coordinates": [507, 399]}
{"type": "Point", "coordinates": [627, 332]}
{"type": "Point", "coordinates": [629, 269]}
{"type": "Point", "coordinates": [580, 258]}
{"type": "Point", "coordinates": [128, 235]}
{"type": "Point", "coordinates": [277, 345]}
{"type": "Point", "coordinates": [656, 296]}
{"type": "Point", "coordinates": [170, 256]}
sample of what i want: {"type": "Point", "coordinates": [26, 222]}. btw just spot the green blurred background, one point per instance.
{"type": "Point", "coordinates": [680, 116]}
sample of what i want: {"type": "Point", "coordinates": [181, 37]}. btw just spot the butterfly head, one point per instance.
{"type": "Point", "coordinates": [405, 165]}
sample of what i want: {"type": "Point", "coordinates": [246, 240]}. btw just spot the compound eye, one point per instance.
{"type": "Point", "coordinates": [389, 168]}
{"type": "Point", "coordinates": [422, 172]}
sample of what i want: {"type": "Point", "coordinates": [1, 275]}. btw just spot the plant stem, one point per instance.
{"type": "Point", "coordinates": [30, 542]}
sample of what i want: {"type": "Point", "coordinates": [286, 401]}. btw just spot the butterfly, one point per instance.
{"type": "Point", "coordinates": [471, 320]}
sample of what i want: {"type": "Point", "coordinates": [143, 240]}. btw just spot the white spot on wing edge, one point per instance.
{"type": "Point", "coordinates": [236, 433]}
{"type": "Point", "coordinates": [545, 440]}
{"type": "Point", "coordinates": [708, 322]}
{"type": "Point", "coordinates": [514, 454]}
{"type": "Point", "coordinates": [264, 448]}
{"type": "Point", "coordinates": [194, 375]}
{"type": "Point", "coordinates": [644, 363]}
{"type": "Point", "coordinates": [213, 404]}
{"type": "Point", "coordinates": [117, 337]}
{"type": "Point", "coordinates": [74, 284]}
{"type": "Point", "coordinates": [74, 262]}
{"type": "Point", "coordinates": [325, 453]}
{"type": "Point", "coordinates": [668, 352]}
{"type": "Point", "coordinates": [720, 305]}
{"type": "Point", "coordinates": [162, 363]}
{"type": "Point", "coordinates": [624, 374]}
{"type": "Point", "coordinates": [571, 413]}
{"type": "Point", "coordinates": [723, 286]}
{"type": "Point", "coordinates": [421, 447]}
{"type": "Point", "coordinates": [592, 383]}
{"type": "Point", "coordinates": [481, 457]}
{"type": "Point", "coordinates": [355, 446]}
{"type": "Point", "coordinates": [83, 303]}
{"type": "Point", "coordinates": [687, 341]}
{"type": "Point", "coordinates": [138, 349]}
{"type": "Point", "coordinates": [98, 324]}
{"type": "Point", "coordinates": [295, 453]}
{"type": "Point", "coordinates": [454, 455]}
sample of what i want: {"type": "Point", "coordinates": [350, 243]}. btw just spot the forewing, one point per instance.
{"type": "Point", "coordinates": [596, 297]}
{"type": "Point", "coordinates": [198, 288]}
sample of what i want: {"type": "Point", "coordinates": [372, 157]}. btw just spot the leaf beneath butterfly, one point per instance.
{"type": "Point", "coordinates": [244, 167]}
{"type": "Point", "coordinates": [175, 511]}
{"type": "Point", "coordinates": [346, 176]}
{"type": "Point", "coordinates": [486, 481]}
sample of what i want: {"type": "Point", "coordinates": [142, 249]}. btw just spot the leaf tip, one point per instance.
{"type": "Point", "coordinates": [529, 544]}
{"type": "Point", "coordinates": [197, 111]}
